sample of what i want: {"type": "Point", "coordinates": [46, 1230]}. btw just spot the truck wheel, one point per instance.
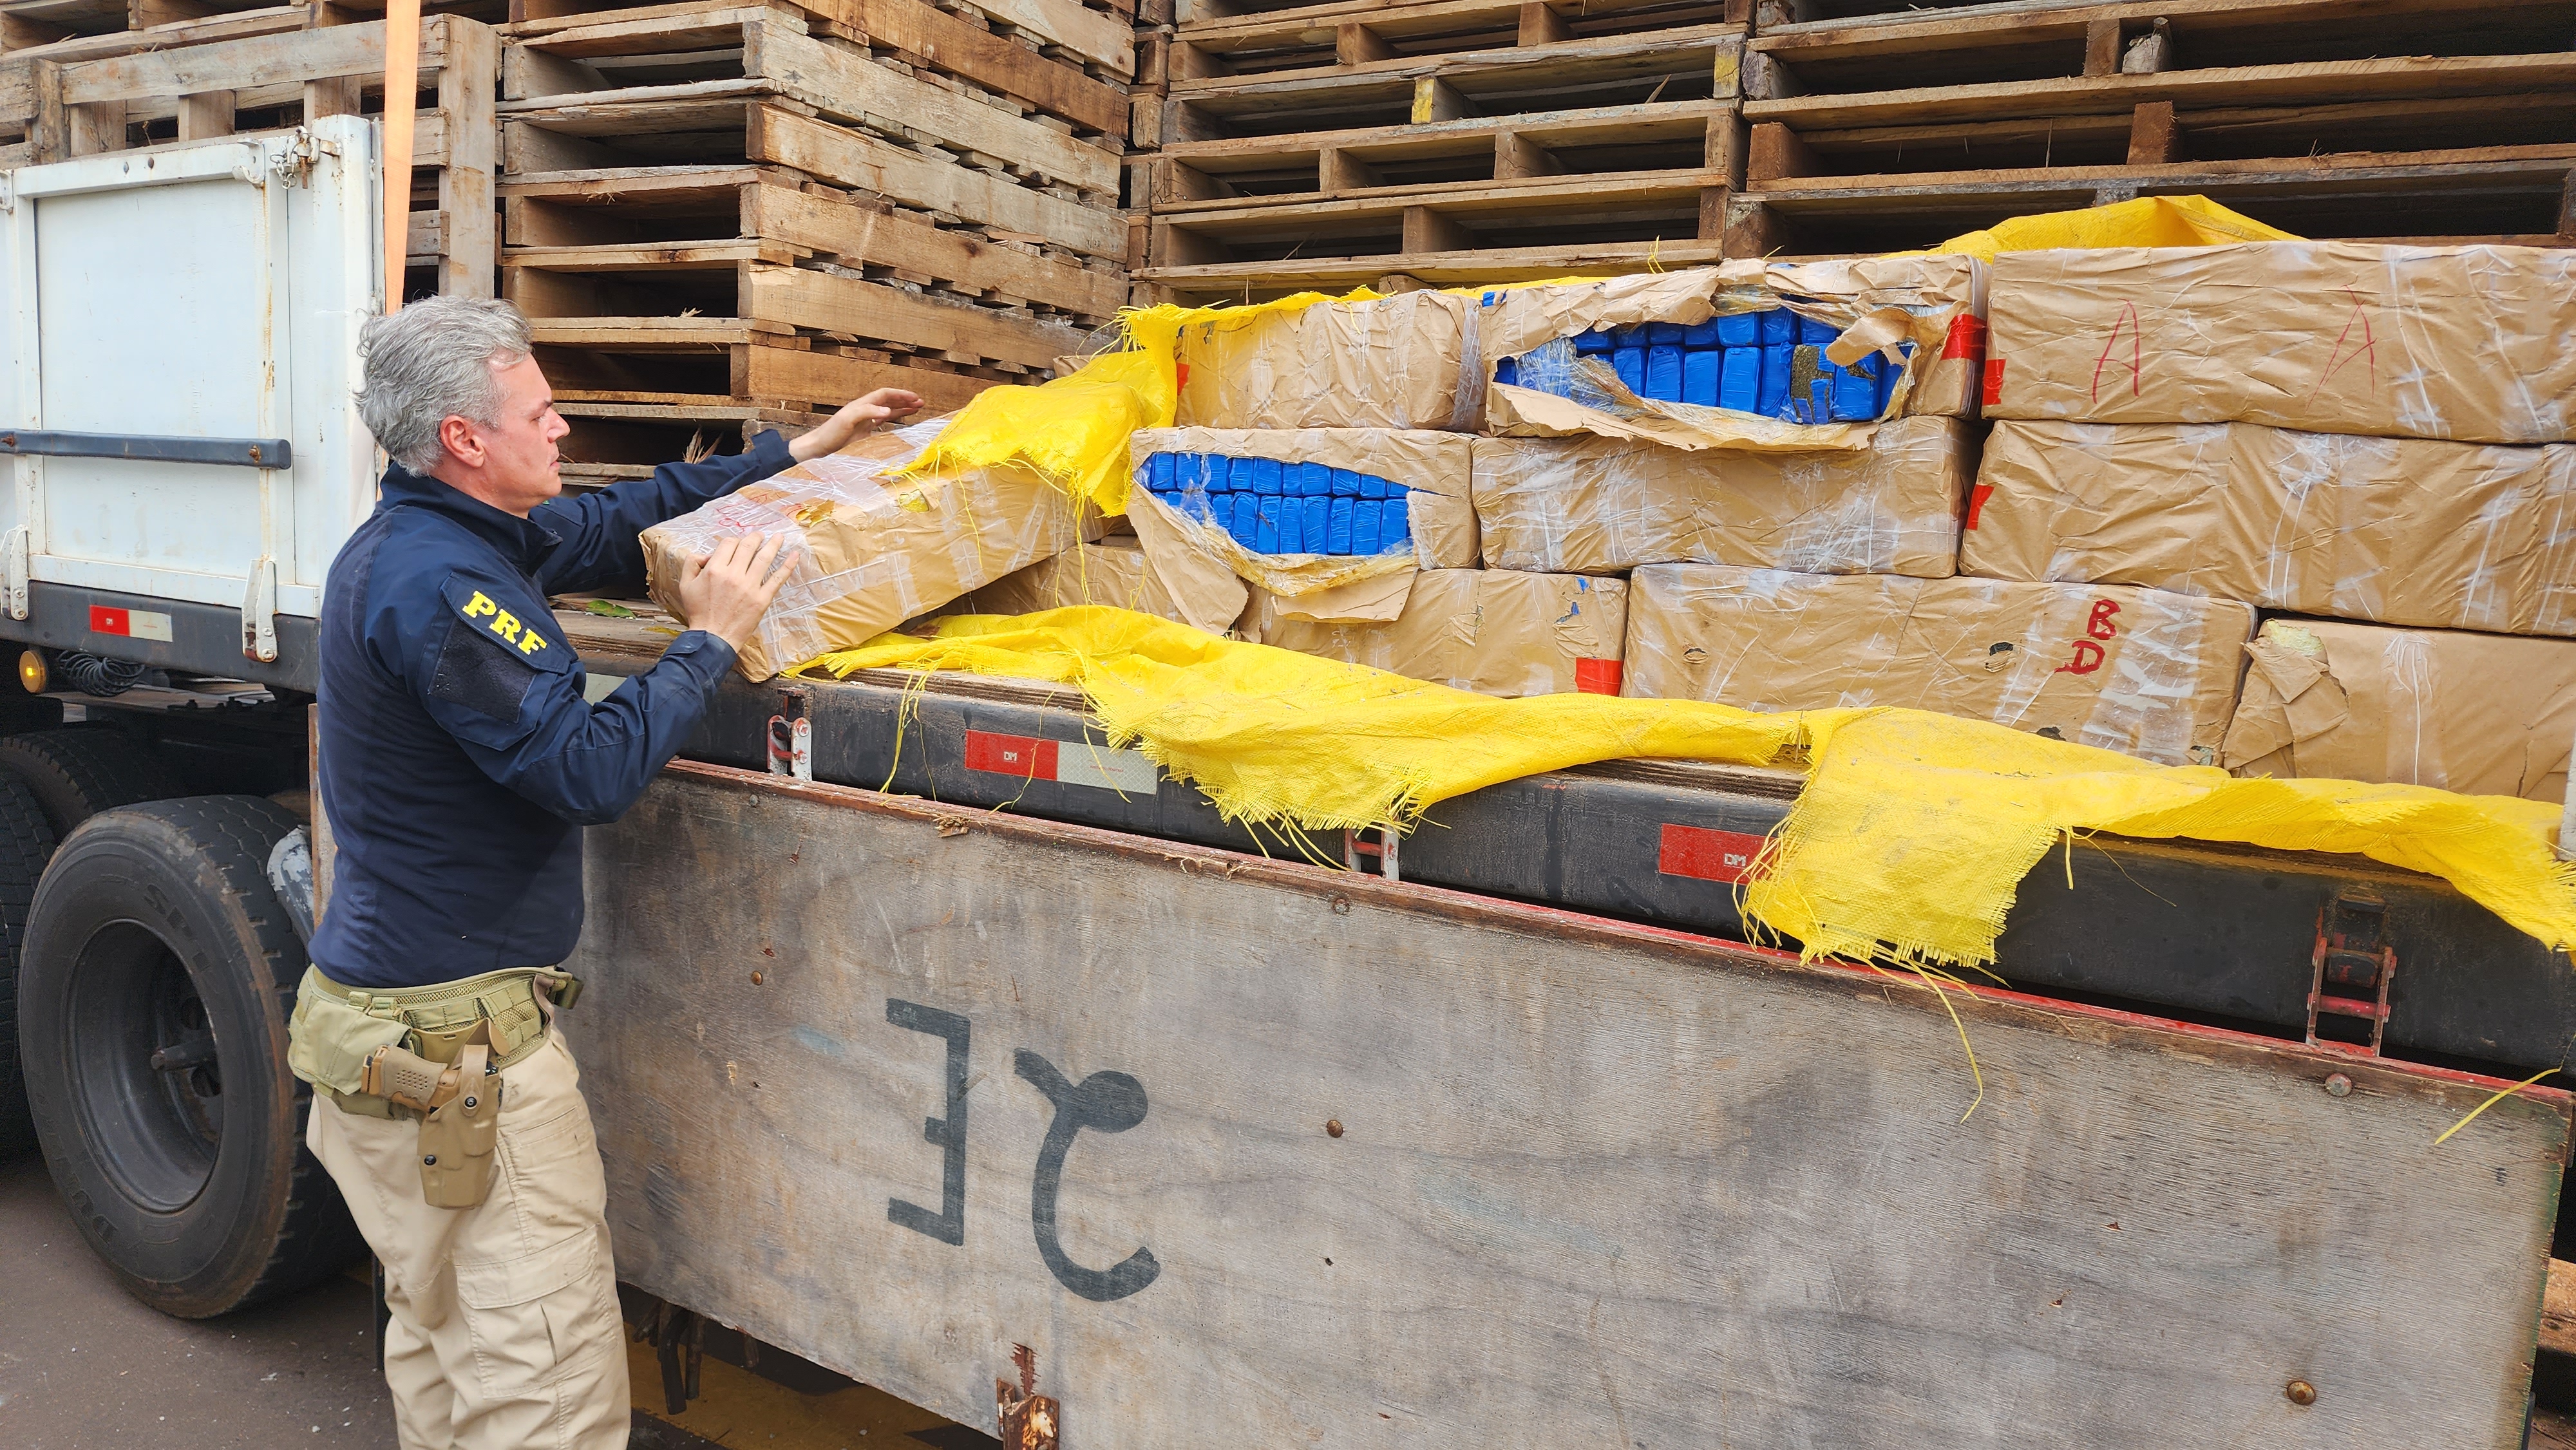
{"type": "Point", "coordinates": [25, 842]}
{"type": "Point", "coordinates": [77, 773]}
{"type": "Point", "coordinates": [153, 997]}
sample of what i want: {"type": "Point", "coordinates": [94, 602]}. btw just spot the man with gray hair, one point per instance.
{"type": "Point", "coordinates": [460, 753]}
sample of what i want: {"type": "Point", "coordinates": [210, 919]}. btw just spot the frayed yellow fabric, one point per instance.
{"type": "Point", "coordinates": [1907, 845]}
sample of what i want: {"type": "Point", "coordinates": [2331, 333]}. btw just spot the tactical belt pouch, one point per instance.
{"type": "Point", "coordinates": [329, 1039]}
{"type": "Point", "coordinates": [459, 1134]}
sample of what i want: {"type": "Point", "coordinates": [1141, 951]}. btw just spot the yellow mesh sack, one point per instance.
{"type": "Point", "coordinates": [1908, 843]}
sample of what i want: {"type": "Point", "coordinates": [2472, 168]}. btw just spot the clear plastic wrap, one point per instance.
{"type": "Point", "coordinates": [1601, 504]}
{"type": "Point", "coordinates": [2136, 670]}
{"type": "Point", "coordinates": [2392, 530]}
{"type": "Point", "coordinates": [1487, 630]}
{"type": "Point", "coordinates": [1193, 510]}
{"type": "Point", "coordinates": [866, 550]}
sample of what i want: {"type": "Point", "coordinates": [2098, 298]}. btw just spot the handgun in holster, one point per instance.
{"type": "Point", "coordinates": [460, 1116]}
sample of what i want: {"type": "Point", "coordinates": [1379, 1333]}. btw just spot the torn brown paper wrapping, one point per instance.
{"type": "Point", "coordinates": [2136, 670]}
{"type": "Point", "coordinates": [1394, 362]}
{"type": "Point", "coordinates": [2482, 714]}
{"type": "Point", "coordinates": [2467, 343]}
{"type": "Point", "coordinates": [1488, 630]}
{"type": "Point", "coordinates": [2397, 531]}
{"type": "Point", "coordinates": [1935, 303]}
{"type": "Point", "coordinates": [869, 551]}
{"type": "Point", "coordinates": [1596, 505]}
{"type": "Point", "coordinates": [1417, 458]}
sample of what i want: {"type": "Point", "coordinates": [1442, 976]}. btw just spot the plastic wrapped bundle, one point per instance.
{"type": "Point", "coordinates": [2394, 530]}
{"type": "Point", "coordinates": [2136, 670]}
{"type": "Point", "coordinates": [1406, 361]}
{"type": "Point", "coordinates": [1602, 504]}
{"type": "Point", "coordinates": [1488, 630]}
{"type": "Point", "coordinates": [1743, 355]}
{"type": "Point", "coordinates": [2481, 714]}
{"type": "Point", "coordinates": [2465, 343]}
{"type": "Point", "coordinates": [867, 551]}
{"type": "Point", "coordinates": [1296, 510]}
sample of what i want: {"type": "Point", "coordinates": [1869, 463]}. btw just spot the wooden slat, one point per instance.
{"type": "Point", "coordinates": [2558, 1309]}
{"type": "Point", "coordinates": [980, 56]}
{"type": "Point", "coordinates": [2317, 81]}
{"type": "Point", "coordinates": [1283, 29]}
{"type": "Point", "coordinates": [828, 380]}
{"type": "Point", "coordinates": [1455, 269]}
{"type": "Point", "coordinates": [1537, 65]}
{"type": "Point", "coordinates": [1914, 32]}
{"type": "Point", "coordinates": [239, 65]}
{"type": "Point", "coordinates": [847, 158]}
{"type": "Point", "coordinates": [861, 236]}
{"type": "Point", "coordinates": [805, 298]}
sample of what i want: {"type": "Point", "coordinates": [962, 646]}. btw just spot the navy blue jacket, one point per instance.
{"type": "Point", "coordinates": [459, 756]}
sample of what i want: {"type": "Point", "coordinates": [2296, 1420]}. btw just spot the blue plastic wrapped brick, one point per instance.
{"type": "Point", "coordinates": [1856, 391]}
{"type": "Point", "coordinates": [1819, 333]}
{"type": "Point", "coordinates": [1664, 373]}
{"type": "Point", "coordinates": [1701, 334]}
{"type": "Point", "coordinates": [1594, 343]}
{"type": "Point", "coordinates": [1508, 372]}
{"type": "Point", "coordinates": [1372, 486]}
{"type": "Point", "coordinates": [1700, 368]}
{"type": "Point", "coordinates": [1158, 472]}
{"type": "Point", "coordinates": [1314, 480]}
{"type": "Point", "coordinates": [1337, 525]}
{"type": "Point", "coordinates": [1775, 380]}
{"type": "Point", "coordinates": [1630, 364]}
{"type": "Point", "coordinates": [1364, 526]}
{"type": "Point", "coordinates": [1245, 520]}
{"type": "Point", "coordinates": [1268, 474]}
{"type": "Point", "coordinates": [1346, 483]}
{"type": "Point", "coordinates": [1318, 525]}
{"type": "Point", "coordinates": [1291, 513]}
{"type": "Point", "coordinates": [1740, 329]}
{"type": "Point", "coordinates": [1664, 334]}
{"type": "Point", "coordinates": [1779, 327]}
{"type": "Point", "coordinates": [1739, 386]}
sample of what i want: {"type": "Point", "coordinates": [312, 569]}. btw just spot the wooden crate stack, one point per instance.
{"type": "Point", "coordinates": [1877, 126]}
{"type": "Point", "coordinates": [1439, 142]}
{"type": "Point", "coordinates": [268, 69]}
{"type": "Point", "coordinates": [729, 216]}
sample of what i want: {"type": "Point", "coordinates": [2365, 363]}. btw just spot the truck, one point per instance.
{"type": "Point", "coordinates": [934, 1038]}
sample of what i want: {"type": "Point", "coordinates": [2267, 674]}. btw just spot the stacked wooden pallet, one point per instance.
{"type": "Point", "coordinates": [722, 216]}
{"type": "Point", "coordinates": [268, 69]}
{"type": "Point", "coordinates": [1439, 141]}
{"type": "Point", "coordinates": [2332, 118]}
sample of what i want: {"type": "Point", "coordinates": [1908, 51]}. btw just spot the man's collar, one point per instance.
{"type": "Point", "coordinates": [523, 541]}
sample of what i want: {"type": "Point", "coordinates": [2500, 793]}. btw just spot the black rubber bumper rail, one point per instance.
{"type": "Point", "coordinates": [2220, 932]}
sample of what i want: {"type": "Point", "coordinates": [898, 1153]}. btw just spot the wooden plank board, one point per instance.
{"type": "Point", "coordinates": [1908, 32]}
{"type": "Point", "coordinates": [863, 237]}
{"type": "Point", "coordinates": [848, 158]}
{"type": "Point", "coordinates": [970, 51]}
{"type": "Point", "coordinates": [2347, 167]}
{"type": "Point", "coordinates": [805, 298]}
{"type": "Point", "coordinates": [1283, 29]}
{"type": "Point", "coordinates": [828, 380]}
{"type": "Point", "coordinates": [2306, 82]}
{"type": "Point", "coordinates": [1527, 67]}
{"type": "Point", "coordinates": [1087, 33]}
{"type": "Point", "coordinates": [1370, 1164]}
{"type": "Point", "coordinates": [1438, 269]}
{"type": "Point", "coordinates": [238, 65]}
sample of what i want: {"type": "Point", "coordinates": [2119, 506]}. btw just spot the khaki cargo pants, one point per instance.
{"type": "Point", "coordinates": [505, 1328]}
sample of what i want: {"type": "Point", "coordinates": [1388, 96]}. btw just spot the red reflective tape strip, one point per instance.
{"type": "Point", "coordinates": [1698, 852]}
{"type": "Point", "coordinates": [1015, 755]}
{"type": "Point", "coordinates": [1967, 337]}
{"type": "Point", "coordinates": [1994, 381]}
{"type": "Point", "coordinates": [103, 620]}
{"type": "Point", "coordinates": [1978, 493]}
{"type": "Point", "coordinates": [1596, 677]}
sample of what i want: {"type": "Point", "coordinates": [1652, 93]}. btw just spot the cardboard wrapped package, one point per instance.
{"type": "Point", "coordinates": [871, 550]}
{"type": "Point", "coordinates": [1487, 630]}
{"type": "Point", "coordinates": [1396, 362]}
{"type": "Point", "coordinates": [2466, 343]}
{"type": "Point", "coordinates": [1445, 533]}
{"type": "Point", "coordinates": [1113, 572]}
{"type": "Point", "coordinates": [1186, 464]}
{"type": "Point", "coordinates": [1595, 505]}
{"type": "Point", "coordinates": [2136, 670]}
{"type": "Point", "coordinates": [2398, 531]}
{"type": "Point", "coordinates": [1919, 315]}
{"type": "Point", "coordinates": [2483, 714]}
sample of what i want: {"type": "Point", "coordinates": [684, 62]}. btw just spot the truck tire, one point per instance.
{"type": "Point", "coordinates": [153, 996]}
{"type": "Point", "coordinates": [25, 842]}
{"type": "Point", "coordinates": [77, 773]}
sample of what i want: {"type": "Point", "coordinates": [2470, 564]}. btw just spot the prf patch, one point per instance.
{"type": "Point", "coordinates": [503, 623]}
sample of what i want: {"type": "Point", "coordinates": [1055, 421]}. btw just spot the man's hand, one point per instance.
{"type": "Point", "coordinates": [853, 421]}
{"type": "Point", "coordinates": [725, 590]}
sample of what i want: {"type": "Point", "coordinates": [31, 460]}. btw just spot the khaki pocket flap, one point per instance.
{"type": "Point", "coordinates": [328, 1041]}
{"type": "Point", "coordinates": [501, 1283]}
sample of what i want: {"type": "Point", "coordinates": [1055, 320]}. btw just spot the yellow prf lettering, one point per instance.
{"type": "Point", "coordinates": [506, 625]}
{"type": "Point", "coordinates": [531, 642]}
{"type": "Point", "coordinates": [480, 605]}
